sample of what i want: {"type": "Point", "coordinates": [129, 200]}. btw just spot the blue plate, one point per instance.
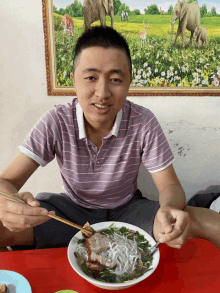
{"type": "Point", "coordinates": [15, 282]}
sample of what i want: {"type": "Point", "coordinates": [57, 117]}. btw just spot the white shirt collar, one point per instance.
{"type": "Point", "coordinates": [81, 124]}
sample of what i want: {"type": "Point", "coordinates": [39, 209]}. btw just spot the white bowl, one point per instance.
{"type": "Point", "coordinates": [111, 286]}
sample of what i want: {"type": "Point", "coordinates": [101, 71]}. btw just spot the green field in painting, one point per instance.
{"type": "Point", "coordinates": [158, 63]}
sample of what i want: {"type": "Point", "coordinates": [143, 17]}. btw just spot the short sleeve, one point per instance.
{"type": "Point", "coordinates": [156, 154]}
{"type": "Point", "coordinates": [43, 141]}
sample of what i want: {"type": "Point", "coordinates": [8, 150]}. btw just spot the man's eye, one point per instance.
{"type": "Point", "coordinates": [90, 78]}
{"type": "Point", "coordinates": [116, 80]}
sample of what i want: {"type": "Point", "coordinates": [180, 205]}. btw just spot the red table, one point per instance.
{"type": "Point", "coordinates": [195, 268]}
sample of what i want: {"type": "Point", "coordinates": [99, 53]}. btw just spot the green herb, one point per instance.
{"type": "Point", "coordinates": [123, 278]}
{"type": "Point", "coordinates": [130, 238]}
{"type": "Point", "coordinates": [141, 274]}
{"type": "Point", "coordinates": [123, 230]}
{"type": "Point", "coordinates": [99, 279]}
{"type": "Point", "coordinates": [107, 273]}
{"type": "Point", "coordinates": [147, 258]}
{"type": "Point", "coordinates": [86, 271]}
{"type": "Point", "coordinates": [140, 237]}
{"type": "Point", "coordinates": [143, 246]}
{"type": "Point", "coordinates": [108, 231]}
{"type": "Point", "coordinates": [80, 241]}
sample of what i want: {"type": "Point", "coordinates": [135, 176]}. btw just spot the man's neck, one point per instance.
{"type": "Point", "coordinates": [97, 131]}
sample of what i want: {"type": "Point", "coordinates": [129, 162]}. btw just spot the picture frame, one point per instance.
{"type": "Point", "coordinates": [149, 70]}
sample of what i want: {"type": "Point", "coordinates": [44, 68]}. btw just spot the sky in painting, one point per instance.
{"type": "Point", "coordinates": [141, 4]}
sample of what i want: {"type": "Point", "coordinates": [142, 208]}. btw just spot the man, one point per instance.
{"type": "Point", "coordinates": [99, 141]}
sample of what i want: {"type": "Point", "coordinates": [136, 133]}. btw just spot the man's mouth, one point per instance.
{"type": "Point", "coordinates": [101, 106]}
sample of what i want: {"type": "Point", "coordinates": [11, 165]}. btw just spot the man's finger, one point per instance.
{"type": "Point", "coordinates": [165, 220]}
{"type": "Point", "coordinates": [181, 240]}
{"type": "Point", "coordinates": [25, 222]}
{"type": "Point", "coordinates": [29, 198]}
{"type": "Point", "coordinates": [180, 231]}
{"type": "Point", "coordinates": [24, 209]}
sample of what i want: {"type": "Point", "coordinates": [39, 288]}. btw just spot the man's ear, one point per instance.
{"type": "Point", "coordinates": [72, 76]}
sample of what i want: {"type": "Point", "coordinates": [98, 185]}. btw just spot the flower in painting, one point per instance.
{"type": "Point", "coordinates": [64, 73]}
{"type": "Point", "coordinates": [138, 77]}
{"type": "Point", "coordinates": [170, 59]}
{"type": "Point", "coordinates": [138, 54]}
{"type": "Point", "coordinates": [62, 58]}
{"type": "Point", "coordinates": [216, 82]}
{"type": "Point", "coordinates": [156, 70]}
{"type": "Point", "coordinates": [218, 72]}
{"type": "Point", "coordinates": [165, 55]}
{"type": "Point", "coordinates": [163, 73]}
{"type": "Point", "coordinates": [197, 80]}
{"type": "Point", "coordinates": [133, 57]}
{"type": "Point", "coordinates": [171, 68]}
{"type": "Point", "coordinates": [145, 65]}
{"type": "Point", "coordinates": [156, 62]}
{"type": "Point", "coordinates": [139, 71]}
{"type": "Point", "coordinates": [195, 75]}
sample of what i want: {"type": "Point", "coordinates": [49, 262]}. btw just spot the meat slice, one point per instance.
{"type": "Point", "coordinates": [96, 258]}
{"type": "Point", "coordinates": [3, 288]}
{"type": "Point", "coordinates": [98, 243]}
{"type": "Point", "coordinates": [88, 227]}
{"type": "Point", "coordinates": [95, 266]}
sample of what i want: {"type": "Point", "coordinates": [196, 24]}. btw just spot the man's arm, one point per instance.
{"type": "Point", "coordinates": [169, 187]}
{"type": "Point", "coordinates": [17, 173]}
{"type": "Point", "coordinates": [17, 217]}
{"type": "Point", "coordinates": [172, 224]}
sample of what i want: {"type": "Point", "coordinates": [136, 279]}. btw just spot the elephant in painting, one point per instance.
{"type": "Point", "coordinates": [94, 10]}
{"type": "Point", "coordinates": [189, 18]}
{"type": "Point", "coordinates": [201, 34]}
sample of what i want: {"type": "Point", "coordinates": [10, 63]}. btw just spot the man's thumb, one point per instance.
{"type": "Point", "coordinates": [30, 200]}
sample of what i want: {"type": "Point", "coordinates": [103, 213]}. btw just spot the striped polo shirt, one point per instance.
{"type": "Point", "coordinates": [104, 178]}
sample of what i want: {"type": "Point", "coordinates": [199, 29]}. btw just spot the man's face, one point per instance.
{"type": "Point", "coordinates": [101, 81]}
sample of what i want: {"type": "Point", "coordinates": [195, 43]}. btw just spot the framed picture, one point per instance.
{"type": "Point", "coordinates": [191, 66]}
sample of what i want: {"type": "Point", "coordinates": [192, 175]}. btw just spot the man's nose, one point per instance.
{"type": "Point", "coordinates": [103, 89]}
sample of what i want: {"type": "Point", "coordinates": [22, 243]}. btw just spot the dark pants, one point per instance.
{"type": "Point", "coordinates": [203, 200]}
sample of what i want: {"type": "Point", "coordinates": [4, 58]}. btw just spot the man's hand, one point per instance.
{"type": "Point", "coordinates": [172, 226]}
{"type": "Point", "coordinates": [17, 217]}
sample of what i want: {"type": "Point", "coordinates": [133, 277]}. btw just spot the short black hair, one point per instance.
{"type": "Point", "coordinates": [102, 36]}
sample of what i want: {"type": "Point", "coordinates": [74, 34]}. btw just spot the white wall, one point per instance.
{"type": "Point", "coordinates": [191, 124]}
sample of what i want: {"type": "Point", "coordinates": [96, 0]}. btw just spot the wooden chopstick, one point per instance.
{"type": "Point", "coordinates": [15, 199]}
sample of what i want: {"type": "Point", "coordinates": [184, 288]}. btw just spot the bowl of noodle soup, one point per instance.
{"type": "Point", "coordinates": [130, 245]}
